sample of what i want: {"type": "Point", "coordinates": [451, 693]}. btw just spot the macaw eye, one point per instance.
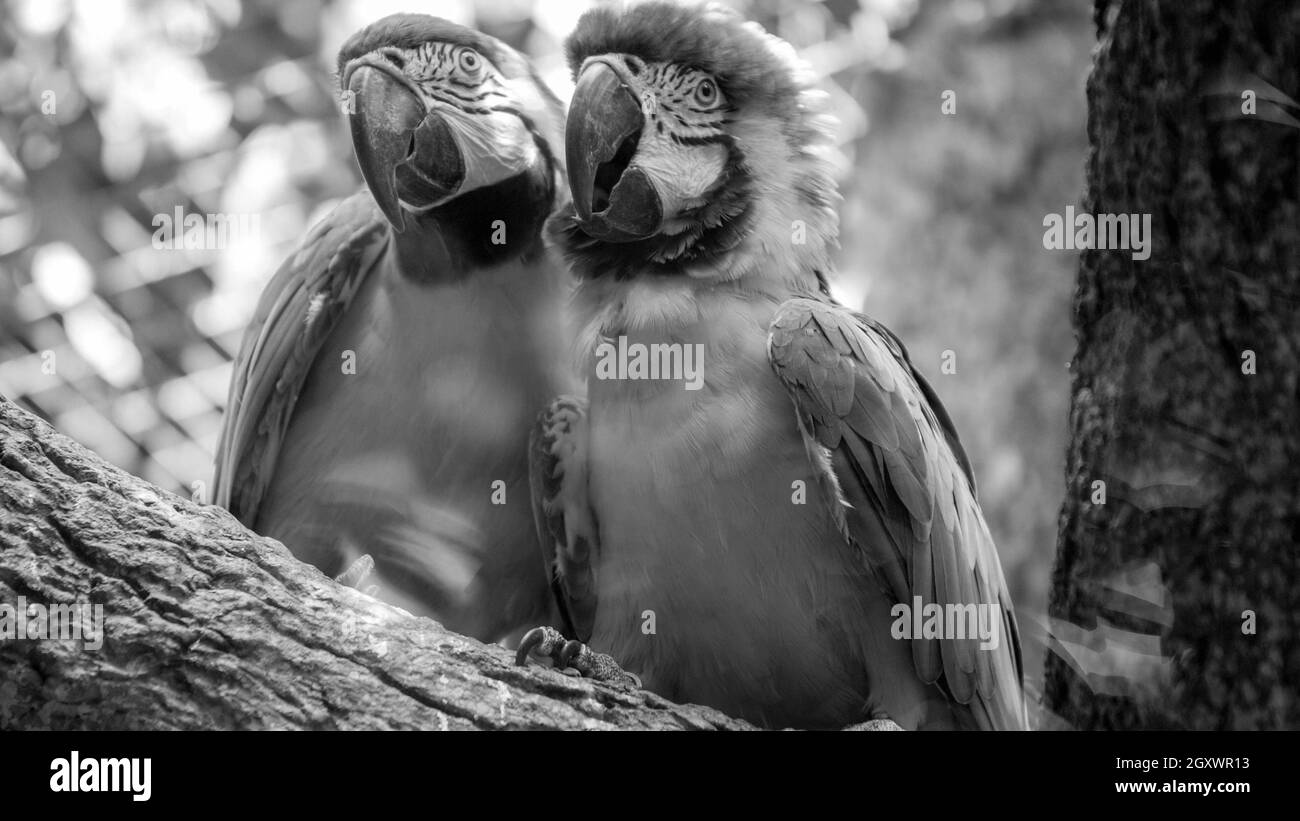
{"type": "Point", "coordinates": [469, 61]}
{"type": "Point", "coordinates": [706, 93]}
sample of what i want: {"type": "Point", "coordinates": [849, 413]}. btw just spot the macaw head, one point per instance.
{"type": "Point", "coordinates": [693, 146]}
{"type": "Point", "coordinates": [451, 124]}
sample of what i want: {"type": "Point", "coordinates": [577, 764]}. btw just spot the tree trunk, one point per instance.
{"type": "Point", "coordinates": [207, 625]}
{"type": "Point", "coordinates": [1176, 594]}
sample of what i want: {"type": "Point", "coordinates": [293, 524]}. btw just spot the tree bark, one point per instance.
{"type": "Point", "coordinates": [209, 626]}
{"type": "Point", "coordinates": [1176, 595]}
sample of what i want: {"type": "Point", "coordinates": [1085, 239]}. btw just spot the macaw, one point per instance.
{"type": "Point", "coordinates": [753, 543]}
{"type": "Point", "coordinates": [382, 396]}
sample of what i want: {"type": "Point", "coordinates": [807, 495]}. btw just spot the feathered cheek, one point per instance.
{"type": "Point", "coordinates": [496, 146]}
{"type": "Point", "coordinates": [682, 175]}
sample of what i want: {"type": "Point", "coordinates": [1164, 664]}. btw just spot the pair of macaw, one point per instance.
{"type": "Point", "coordinates": [747, 545]}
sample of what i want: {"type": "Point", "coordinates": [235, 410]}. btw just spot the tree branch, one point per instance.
{"type": "Point", "coordinates": [207, 625]}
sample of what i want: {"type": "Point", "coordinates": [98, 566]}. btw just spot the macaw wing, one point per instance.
{"type": "Point", "coordinates": [566, 525]}
{"type": "Point", "coordinates": [903, 491]}
{"type": "Point", "coordinates": [299, 308]}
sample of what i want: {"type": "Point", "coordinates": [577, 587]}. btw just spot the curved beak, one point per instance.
{"type": "Point", "coordinates": [615, 199]}
{"type": "Point", "coordinates": [405, 154]}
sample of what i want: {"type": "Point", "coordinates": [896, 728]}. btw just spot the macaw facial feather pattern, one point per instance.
{"type": "Point", "coordinates": [440, 111]}
{"type": "Point", "coordinates": [716, 161]}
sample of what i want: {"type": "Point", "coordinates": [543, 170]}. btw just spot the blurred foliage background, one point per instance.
{"type": "Point", "coordinates": [115, 111]}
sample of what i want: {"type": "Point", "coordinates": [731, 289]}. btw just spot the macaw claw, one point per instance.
{"type": "Point", "coordinates": [566, 654]}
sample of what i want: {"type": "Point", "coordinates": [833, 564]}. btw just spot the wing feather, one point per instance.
{"type": "Point", "coordinates": [912, 507]}
{"type": "Point", "coordinates": [566, 525]}
{"type": "Point", "coordinates": [296, 313]}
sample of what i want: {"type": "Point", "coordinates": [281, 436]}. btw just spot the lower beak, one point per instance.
{"type": "Point", "coordinates": [405, 154]}
{"type": "Point", "coordinates": [615, 200]}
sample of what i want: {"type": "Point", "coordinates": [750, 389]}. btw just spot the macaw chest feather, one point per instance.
{"type": "Point", "coordinates": [713, 528]}
{"type": "Point", "coordinates": [409, 438]}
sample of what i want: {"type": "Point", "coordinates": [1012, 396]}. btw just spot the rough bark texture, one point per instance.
{"type": "Point", "coordinates": [207, 625]}
{"type": "Point", "coordinates": [1200, 458]}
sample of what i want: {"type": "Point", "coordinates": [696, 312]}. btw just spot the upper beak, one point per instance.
{"type": "Point", "coordinates": [615, 200]}
{"type": "Point", "coordinates": [406, 154]}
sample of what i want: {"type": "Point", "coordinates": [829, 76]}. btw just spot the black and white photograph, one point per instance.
{"type": "Point", "coordinates": [645, 365]}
